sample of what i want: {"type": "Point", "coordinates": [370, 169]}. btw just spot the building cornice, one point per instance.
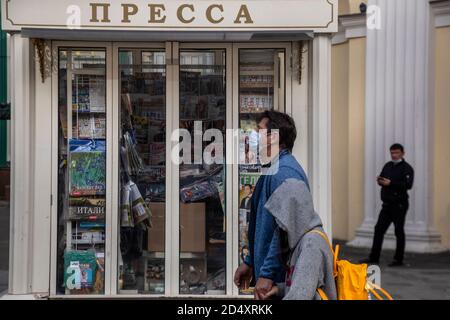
{"type": "Point", "coordinates": [350, 26]}
{"type": "Point", "coordinates": [441, 10]}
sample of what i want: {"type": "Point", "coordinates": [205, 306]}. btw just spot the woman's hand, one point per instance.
{"type": "Point", "coordinates": [272, 293]}
{"type": "Point", "coordinates": [263, 286]}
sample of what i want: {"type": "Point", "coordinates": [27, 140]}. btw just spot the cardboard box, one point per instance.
{"type": "Point", "coordinates": [192, 227]}
{"type": "Point", "coordinates": [156, 234]}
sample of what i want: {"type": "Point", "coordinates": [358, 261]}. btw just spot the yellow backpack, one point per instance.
{"type": "Point", "coordinates": [351, 279]}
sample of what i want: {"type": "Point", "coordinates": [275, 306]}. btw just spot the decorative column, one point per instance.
{"type": "Point", "coordinates": [21, 182]}
{"type": "Point", "coordinates": [31, 128]}
{"type": "Point", "coordinates": [320, 164]}
{"type": "Point", "coordinates": [399, 104]}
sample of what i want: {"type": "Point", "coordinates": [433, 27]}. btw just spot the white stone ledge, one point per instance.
{"type": "Point", "coordinates": [23, 297]}
{"type": "Point", "coordinates": [441, 10]}
{"type": "Point", "coordinates": [351, 26]}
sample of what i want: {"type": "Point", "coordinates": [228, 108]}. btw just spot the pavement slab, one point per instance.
{"type": "Point", "coordinates": [424, 277]}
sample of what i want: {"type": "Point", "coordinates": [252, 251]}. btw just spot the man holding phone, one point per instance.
{"type": "Point", "coordinates": [396, 178]}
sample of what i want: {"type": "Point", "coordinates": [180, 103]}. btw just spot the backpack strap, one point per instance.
{"type": "Point", "coordinates": [322, 294]}
{"type": "Point", "coordinates": [335, 253]}
{"type": "Point", "coordinates": [372, 288]}
{"type": "Point", "coordinates": [324, 236]}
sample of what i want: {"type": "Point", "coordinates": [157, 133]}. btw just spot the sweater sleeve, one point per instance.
{"type": "Point", "coordinates": [281, 289]}
{"type": "Point", "coordinates": [307, 274]}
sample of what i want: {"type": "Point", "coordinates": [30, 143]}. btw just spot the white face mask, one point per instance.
{"type": "Point", "coordinates": [264, 148]}
{"type": "Point", "coordinates": [262, 152]}
{"type": "Point", "coordinates": [261, 145]}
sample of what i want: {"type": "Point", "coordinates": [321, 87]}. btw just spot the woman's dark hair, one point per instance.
{"type": "Point", "coordinates": [285, 126]}
{"type": "Point", "coordinates": [285, 251]}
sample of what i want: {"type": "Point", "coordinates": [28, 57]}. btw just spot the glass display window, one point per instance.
{"type": "Point", "coordinates": [81, 171]}
{"type": "Point", "coordinates": [142, 171]}
{"type": "Point", "coordinates": [130, 221]}
{"type": "Point", "coordinates": [202, 185]}
{"type": "Point", "coordinates": [261, 88]}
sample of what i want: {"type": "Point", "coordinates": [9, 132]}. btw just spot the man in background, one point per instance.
{"type": "Point", "coordinates": [396, 178]}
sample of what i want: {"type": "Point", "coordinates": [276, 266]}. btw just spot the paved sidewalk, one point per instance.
{"type": "Point", "coordinates": [424, 276]}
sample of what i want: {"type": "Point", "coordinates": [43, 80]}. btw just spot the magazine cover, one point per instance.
{"type": "Point", "coordinates": [80, 268]}
{"type": "Point", "coordinates": [247, 183]}
{"type": "Point", "coordinates": [87, 169]}
{"type": "Point", "coordinates": [248, 149]}
{"type": "Point", "coordinates": [89, 94]}
{"type": "Point", "coordinates": [256, 103]}
{"type": "Point", "coordinates": [86, 208]}
{"type": "Point", "coordinates": [90, 127]}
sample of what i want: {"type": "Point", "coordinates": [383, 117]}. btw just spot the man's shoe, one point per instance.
{"type": "Point", "coordinates": [369, 261]}
{"type": "Point", "coordinates": [396, 264]}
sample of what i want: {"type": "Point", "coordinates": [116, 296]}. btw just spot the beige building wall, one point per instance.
{"type": "Point", "coordinates": [349, 6]}
{"type": "Point", "coordinates": [344, 7]}
{"type": "Point", "coordinates": [339, 139]}
{"type": "Point", "coordinates": [354, 5]}
{"type": "Point", "coordinates": [441, 198]}
{"type": "Point", "coordinates": [348, 101]}
{"type": "Point", "coordinates": [357, 96]}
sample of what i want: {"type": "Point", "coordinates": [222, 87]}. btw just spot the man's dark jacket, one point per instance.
{"type": "Point", "coordinates": [402, 179]}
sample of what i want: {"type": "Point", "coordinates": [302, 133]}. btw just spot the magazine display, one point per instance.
{"type": "Point", "coordinates": [82, 172]}
{"type": "Point", "coordinates": [84, 272]}
{"type": "Point", "coordinates": [247, 183]}
{"type": "Point", "coordinates": [202, 186]}
{"type": "Point", "coordinates": [142, 171]}
{"type": "Point", "coordinates": [88, 94]}
{"type": "Point", "coordinates": [200, 206]}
